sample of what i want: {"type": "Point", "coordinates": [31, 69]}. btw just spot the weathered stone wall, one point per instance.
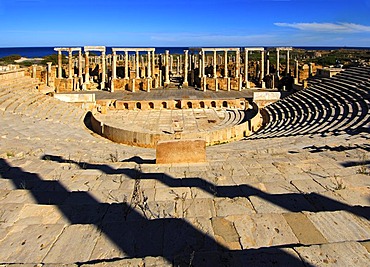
{"type": "Point", "coordinates": [177, 104]}
{"type": "Point", "coordinates": [121, 84]}
{"type": "Point", "coordinates": [63, 85]}
{"type": "Point", "coordinates": [12, 74]}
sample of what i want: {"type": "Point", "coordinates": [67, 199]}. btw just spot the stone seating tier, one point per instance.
{"type": "Point", "coordinates": [335, 104]}
{"type": "Point", "coordinates": [20, 95]}
{"type": "Point", "coordinates": [72, 198]}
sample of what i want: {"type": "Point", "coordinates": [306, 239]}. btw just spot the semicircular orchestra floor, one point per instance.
{"type": "Point", "coordinates": [169, 121]}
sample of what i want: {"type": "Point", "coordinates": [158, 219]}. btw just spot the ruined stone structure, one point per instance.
{"type": "Point", "coordinates": [145, 74]}
{"type": "Point", "coordinates": [207, 68]}
{"type": "Point", "coordinates": [295, 193]}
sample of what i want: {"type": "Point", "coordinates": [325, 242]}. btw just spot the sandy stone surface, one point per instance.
{"type": "Point", "coordinates": [71, 198]}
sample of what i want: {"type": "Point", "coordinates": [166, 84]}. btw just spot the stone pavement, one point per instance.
{"type": "Point", "coordinates": [71, 198]}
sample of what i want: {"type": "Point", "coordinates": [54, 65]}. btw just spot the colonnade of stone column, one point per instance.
{"type": "Point", "coordinates": [143, 66]}
{"type": "Point", "coordinates": [246, 65]}
{"type": "Point", "coordinates": [278, 49]}
{"type": "Point", "coordinates": [102, 50]}
{"type": "Point", "coordinates": [72, 84]}
{"type": "Point", "coordinates": [143, 69]}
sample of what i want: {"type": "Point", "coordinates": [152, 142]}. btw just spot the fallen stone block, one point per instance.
{"type": "Point", "coordinates": [181, 151]}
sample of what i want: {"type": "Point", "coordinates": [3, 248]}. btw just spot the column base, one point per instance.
{"type": "Point", "coordinates": [148, 84]}
{"type": "Point", "coordinates": [204, 83]}
{"type": "Point", "coordinates": [166, 84]}
{"type": "Point", "coordinates": [216, 84]}
{"type": "Point", "coordinates": [185, 84]}
{"type": "Point", "coordinates": [133, 85]}
{"type": "Point", "coordinates": [228, 84]}
{"type": "Point", "coordinates": [112, 85]}
{"type": "Point", "coordinates": [240, 83]}
{"type": "Point", "coordinates": [263, 85]}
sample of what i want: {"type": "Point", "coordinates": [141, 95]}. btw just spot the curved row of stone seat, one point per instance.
{"type": "Point", "coordinates": [334, 105]}
{"type": "Point", "coordinates": [343, 105]}
{"type": "Point", "coordinates": [324, 117]}
{"type": "Point", "coordinates": [357, 108]}
{"type": "Point", "coordinates": [20, 96]}
{"type": "Point", "coordinates": [232, 117]}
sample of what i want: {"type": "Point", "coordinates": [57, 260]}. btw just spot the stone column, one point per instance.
{"type": "Point", "coordinates": [80, 67]}
{"type": "Point", "coordinates": [60, 64]}
{"type": "Point", "coordinates": [137, 64]}
{"type": "Point", "coordinates": [142, 67]}
{"type": "Point", "coordinates": [171, 63]}
{"type": "Point", "coordinates": [214, 64]}
{"type": "Point", "coordinates": [70, 65]}
{"type": "Point", "coordinates": [103, 67]}
{"type": "Point", "coordinates": [87, 68]}
{"type": "Point", "coordinates": [287, 63]}
{"type": "Point", "coordinates": [114, 65]}
{"type": "Point", "coordinates": [153, 64]}
{"type": "Point", "coordinates": [267, 63]}
{"type": "Point", "coordinates": [48, 73]}
{"type": "Point", "coordinates": [203, 63]}
{"type": "Point", "coordinates": [296, 70]}
{"type": "Point", "coordinates": [186, 83]}
{"type": "Point", "coordinates": [200, 64]}
{"type": "Point", "coordinates": [166, 62]}
{"type": "Point", "coordinates": [114, 70]}
{"type": "Point", "coordinates": [34, 70]}
{"type": "Point", "coordinates": [192, 61]}
{"type": "Point", "coordinates": [277, 62]}
{"type": "Point", "coordinates": [226, 62]}
{"type": "Point", "coordinates": [262, 65]}
{"type": "Point", "coordinates": [149, 72]}
{"type": "Point", "coordinates": [237, 63]}
{"type": "Point", "coordinates": [126, 65]}
{"type": "Point", "coordinates": [178, 65]}
{"type": "Point", "coordinates": [246, 65]}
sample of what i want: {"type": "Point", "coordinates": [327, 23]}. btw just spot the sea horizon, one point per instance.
{"type": "Point", "coordinates": [41, 51]}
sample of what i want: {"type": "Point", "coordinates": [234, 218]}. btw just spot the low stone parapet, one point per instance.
{"type": "Point", "coordinates": [9, 73]}
{"type": "Point", "coordinates": [181, 151]}
{"type": "Point", "coordinates": [75, 97]}
{"type": "Point", "coordinates": [84, 101]}
{"type": "Point", "coordinates": [263, 99]}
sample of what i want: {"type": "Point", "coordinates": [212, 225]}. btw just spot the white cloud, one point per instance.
{"type": "Point", "coordinates": [326, 27]}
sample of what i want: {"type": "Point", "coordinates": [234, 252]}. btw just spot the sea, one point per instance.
{"type": "Point", "coordinates": [34, 52]}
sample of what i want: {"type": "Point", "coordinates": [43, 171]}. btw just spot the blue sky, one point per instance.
{"type": "Point", "coordinates": [185, 23]}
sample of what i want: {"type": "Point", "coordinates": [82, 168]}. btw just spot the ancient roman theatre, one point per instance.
{"type": "Point", "coordinates": [208, 157]}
